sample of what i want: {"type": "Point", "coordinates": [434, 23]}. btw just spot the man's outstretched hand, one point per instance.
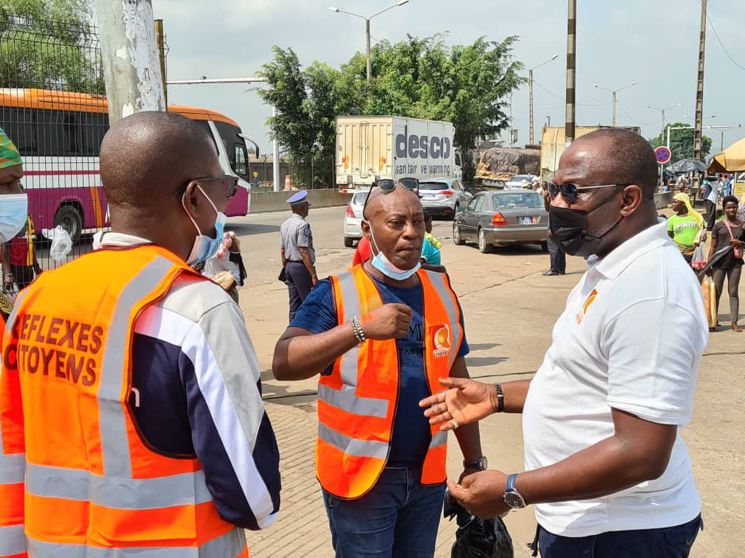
{"type": "Point", "coordinates": [467, 401]}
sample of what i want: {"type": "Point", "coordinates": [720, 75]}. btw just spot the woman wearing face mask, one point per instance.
{"type": "Point", "coordinates": [728, 232]}
{"type": "Point", "coordinates": [13, 211]}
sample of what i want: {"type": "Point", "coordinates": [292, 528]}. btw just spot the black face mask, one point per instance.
{"type": "Point", "coordinates": [569, 229]}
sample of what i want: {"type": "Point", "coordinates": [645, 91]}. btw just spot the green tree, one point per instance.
{"type": "Point", "coordinates": [49, 44]}
{"type": "Point", "coordinates": [420, 78]}
{"type": "Point", "coordinates": [681, 142]}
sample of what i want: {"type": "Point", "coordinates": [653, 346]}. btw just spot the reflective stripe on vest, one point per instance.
{"type": "Point", "coordinates": [356, 402]}
{"type": "Point", "coordinates": [12, 471]}
{"type": "Point", "coordinates": [230, 545]}
{"type": "Point", "coordinates": [106, 494]}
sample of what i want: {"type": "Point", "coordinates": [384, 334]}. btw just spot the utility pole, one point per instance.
{"type": "Point", "coordinates": [571, 70]}
{"type": "Point", "coordinates": [531, 139]}
{"type": "Point", "coordinates": [697, 129]}
{"type": "Point", "coordinates": [160, 38]}
{"type": "Point", "coordinates": [613, 110]}
{"type": "Point", "coordinates": [367, 52]}
{"type": "Point", "coordinates": [130, 57]}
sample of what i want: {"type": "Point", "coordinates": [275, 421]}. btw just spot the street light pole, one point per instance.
{"type": "Point", "coordinates": [614, 98]}
{"type": "Point", "coordinates": [367, 29]}
{"type": "Point", "coordinates": [662, 115]}
{"type": "Point", "coordinates": [531, 139]}
{"type": "Point", "coordinates": [569, 124]}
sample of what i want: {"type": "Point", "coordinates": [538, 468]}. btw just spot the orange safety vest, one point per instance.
{"type": "Point", "coordinates": [357, 401]}
{"type": "Point", "coordinates": [93, 488]}
{"type": "Point", "coordinates": [12, 463]}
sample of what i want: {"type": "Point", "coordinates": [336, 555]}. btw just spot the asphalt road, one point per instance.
{"type": "Point", "coordinates": [509, 310]}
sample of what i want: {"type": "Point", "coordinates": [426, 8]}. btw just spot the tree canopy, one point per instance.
{"type": "Point", "coordinates": [49, 44]}
{"type": "Point", "coordinates": [421, 78]}
{"type": "Point", "coordinates": [681, 142]}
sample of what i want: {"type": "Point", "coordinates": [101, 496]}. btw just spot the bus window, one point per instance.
{"type": "Point", "coordinates": [239, 162]}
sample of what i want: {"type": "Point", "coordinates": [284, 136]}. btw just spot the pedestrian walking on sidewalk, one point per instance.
{"type": "Point", "coordinates": [686, 227]}
{"type": "Point", "coordinates": [710, 193]}
{"type": "Point", "coordinates": [297, 253]}
{"type": "Point", "coordinates": [381, 336]}
{"type": "Point", "coordinates": [730, 231]}
{"type": "Point", "coordinates": [129, 380]}
{"type": "Point", "coordinates": [557, 257]}
{"type": "Point", "coordinates": [606, 468]}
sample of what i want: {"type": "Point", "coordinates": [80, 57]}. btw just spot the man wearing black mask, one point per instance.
{"type": "Point", "coordinates": [605, 467]}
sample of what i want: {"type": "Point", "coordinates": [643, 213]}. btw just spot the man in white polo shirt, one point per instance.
{"type": "Point", "coordinates": [605, 467]}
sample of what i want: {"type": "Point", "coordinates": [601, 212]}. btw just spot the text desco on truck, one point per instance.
{"type": "Point", "coordinates": [370, 147]}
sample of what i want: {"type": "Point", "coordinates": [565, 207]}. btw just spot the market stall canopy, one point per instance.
{"type": "Point", "coordinates": [687, 165]}
{"type": "Point", "coordinates": [731, 159]}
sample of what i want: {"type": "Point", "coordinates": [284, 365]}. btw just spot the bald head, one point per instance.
{"type": "Point", "coordinates": [620, 156]}
{"type": "Point", "coordinates": [388, 201]}
{"type": "Point", "coordinates": [149, 155]}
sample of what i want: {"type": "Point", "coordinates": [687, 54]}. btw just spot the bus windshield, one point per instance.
{"type": "Point", "coordinates": [235, 147]}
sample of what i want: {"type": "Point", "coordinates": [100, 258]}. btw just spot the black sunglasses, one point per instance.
{"type": "Point", "coordinates": [387, 185]}
{"type": "Point", "coordinates": [570, 192]}
{"type": "Point", "coordinates": [229, 182]}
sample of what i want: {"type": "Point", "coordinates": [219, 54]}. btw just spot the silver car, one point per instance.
{"type": "Point", "coordinates": [443, 197]}
{"type": "Point", "coordinates": [503, 217]}
{"type": "Point", "coordinates": [353, 217]}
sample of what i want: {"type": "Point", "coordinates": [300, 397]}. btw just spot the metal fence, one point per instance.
{"type": "Point", "coordinates": [52, 107]}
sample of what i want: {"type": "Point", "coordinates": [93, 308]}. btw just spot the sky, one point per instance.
{"type": "Point", "coordinates": [652, 43]}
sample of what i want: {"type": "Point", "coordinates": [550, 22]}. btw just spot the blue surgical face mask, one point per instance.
{"type": "Point", "coordinates": [13, 215]}
{"type": "Point", "coordinates": [386, 267]}
{"type": "Point", "coordinates": [204, 246]}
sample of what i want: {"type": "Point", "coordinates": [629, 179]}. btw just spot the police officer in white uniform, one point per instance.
{"type": "Point", "coordinates": [298, 254]}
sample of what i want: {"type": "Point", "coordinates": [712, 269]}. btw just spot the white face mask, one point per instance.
{"type": "Point", "coordinates": [13, 215]}
{"type": "Point", "coordinates": [204, 246]}
{"type": "Point", "coordinates": [387, 267]}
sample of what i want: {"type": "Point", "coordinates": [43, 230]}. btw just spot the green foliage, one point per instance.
{"type": "Point", "coordinates": [681, 142]}
{"type": "Point", "coordinates": [48, 44]}
{"type": "Point", "coordinates": [419, 78]}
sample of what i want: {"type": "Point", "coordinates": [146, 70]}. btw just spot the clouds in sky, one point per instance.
{"type": "Point", "coordinates": [653, 43]}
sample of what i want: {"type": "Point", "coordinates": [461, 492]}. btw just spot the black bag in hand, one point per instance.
{"type": "Point", "coordinates": [477, 537]}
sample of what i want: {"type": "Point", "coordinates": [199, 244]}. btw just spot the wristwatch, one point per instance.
{"type": "Point", "coordinates": [511, 496]}
{"type": "Point", "coordinates": [480, 464]}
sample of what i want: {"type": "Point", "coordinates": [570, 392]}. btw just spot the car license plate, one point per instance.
{"type": "Point", "coordinates": [527, 220]}
{"type": "Point", "coordinates": [429, 196]}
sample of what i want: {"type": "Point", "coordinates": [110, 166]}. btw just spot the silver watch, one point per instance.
{"type": "Point", "coordinates": [480, 464]}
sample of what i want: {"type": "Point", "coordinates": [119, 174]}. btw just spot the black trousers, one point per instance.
{"type": "Point", "coordinates": [299, 283]}
{"type": "Point", "coordinates": [711, 214]}
{"type": "Point", "coordinates": [558, 257]}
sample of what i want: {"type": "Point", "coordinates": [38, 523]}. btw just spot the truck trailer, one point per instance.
{"type": "Point", "coordinates": [371, 147]}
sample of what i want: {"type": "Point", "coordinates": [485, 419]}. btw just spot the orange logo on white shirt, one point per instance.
{"type": "Point", "coordinates": [586, 306]}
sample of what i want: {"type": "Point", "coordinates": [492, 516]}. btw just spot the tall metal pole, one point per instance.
{"type": "Point", "coordinates": [275, 157]}
{"type": "Point", "coordinates": [697, 131]}
{"type": "Point", "coordinates": [367, 42]}
{"type": "Point", "coordinates": [663, 121]}
{"type": "Point", "coordinates": [531, 140]}
{"type": "Point", "coordinates": [160, 38]}
{"type": "Point", "coordinates": [130, 57]}
{"type": "Point", "coordinates": [613, 104]}
{"type": "Point", "coordinates": [571, 70]}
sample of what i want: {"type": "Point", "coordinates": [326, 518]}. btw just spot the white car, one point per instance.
{"type": "Point", "coordinates": [353, 217]}
{"type": "Point", "coordinates": [520, 181]}
{"type": "Point", "coordinates": [443, 197]}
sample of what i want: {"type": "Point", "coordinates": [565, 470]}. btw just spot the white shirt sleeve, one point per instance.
{"type": "Point", "coordinates": [652, 361]}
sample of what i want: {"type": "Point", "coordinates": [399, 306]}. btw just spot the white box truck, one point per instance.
{"type": "Point", "coordinates": [370, 147]}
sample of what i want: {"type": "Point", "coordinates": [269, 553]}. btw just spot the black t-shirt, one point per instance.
{"type": "Point", "coordinates": [721, 233]}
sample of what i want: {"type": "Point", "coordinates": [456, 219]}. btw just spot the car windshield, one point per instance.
{"type": "Point", "coordinates": [433, 186]}
{"type": "Point", "coordinates": [520, 178]}
{"type": "Point", "coordinates": [509, 201]}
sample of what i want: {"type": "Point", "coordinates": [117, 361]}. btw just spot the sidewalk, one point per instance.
{"type": "Point", "coordinates": [302, 528]}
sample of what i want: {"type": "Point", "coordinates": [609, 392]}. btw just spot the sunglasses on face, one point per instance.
{"type": "Point", "coordinates": [230, 183]}
{"type": "Point", "coordinates": [570, 192]}
{"type": "Point", "coordinates": [387, 185]}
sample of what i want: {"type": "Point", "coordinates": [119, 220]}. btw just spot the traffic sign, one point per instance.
{"type": "Point", "coordinates": [662, 153]}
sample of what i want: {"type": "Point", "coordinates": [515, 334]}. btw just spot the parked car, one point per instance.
{"type": "Point", "coordinates": [498, 218]}
{"type": "Point", "coordinates": [520, 181]}
{"type": "Point", "coordinates": [353, 217]}
{"type": "Point", "coordinates": [443, 197]}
